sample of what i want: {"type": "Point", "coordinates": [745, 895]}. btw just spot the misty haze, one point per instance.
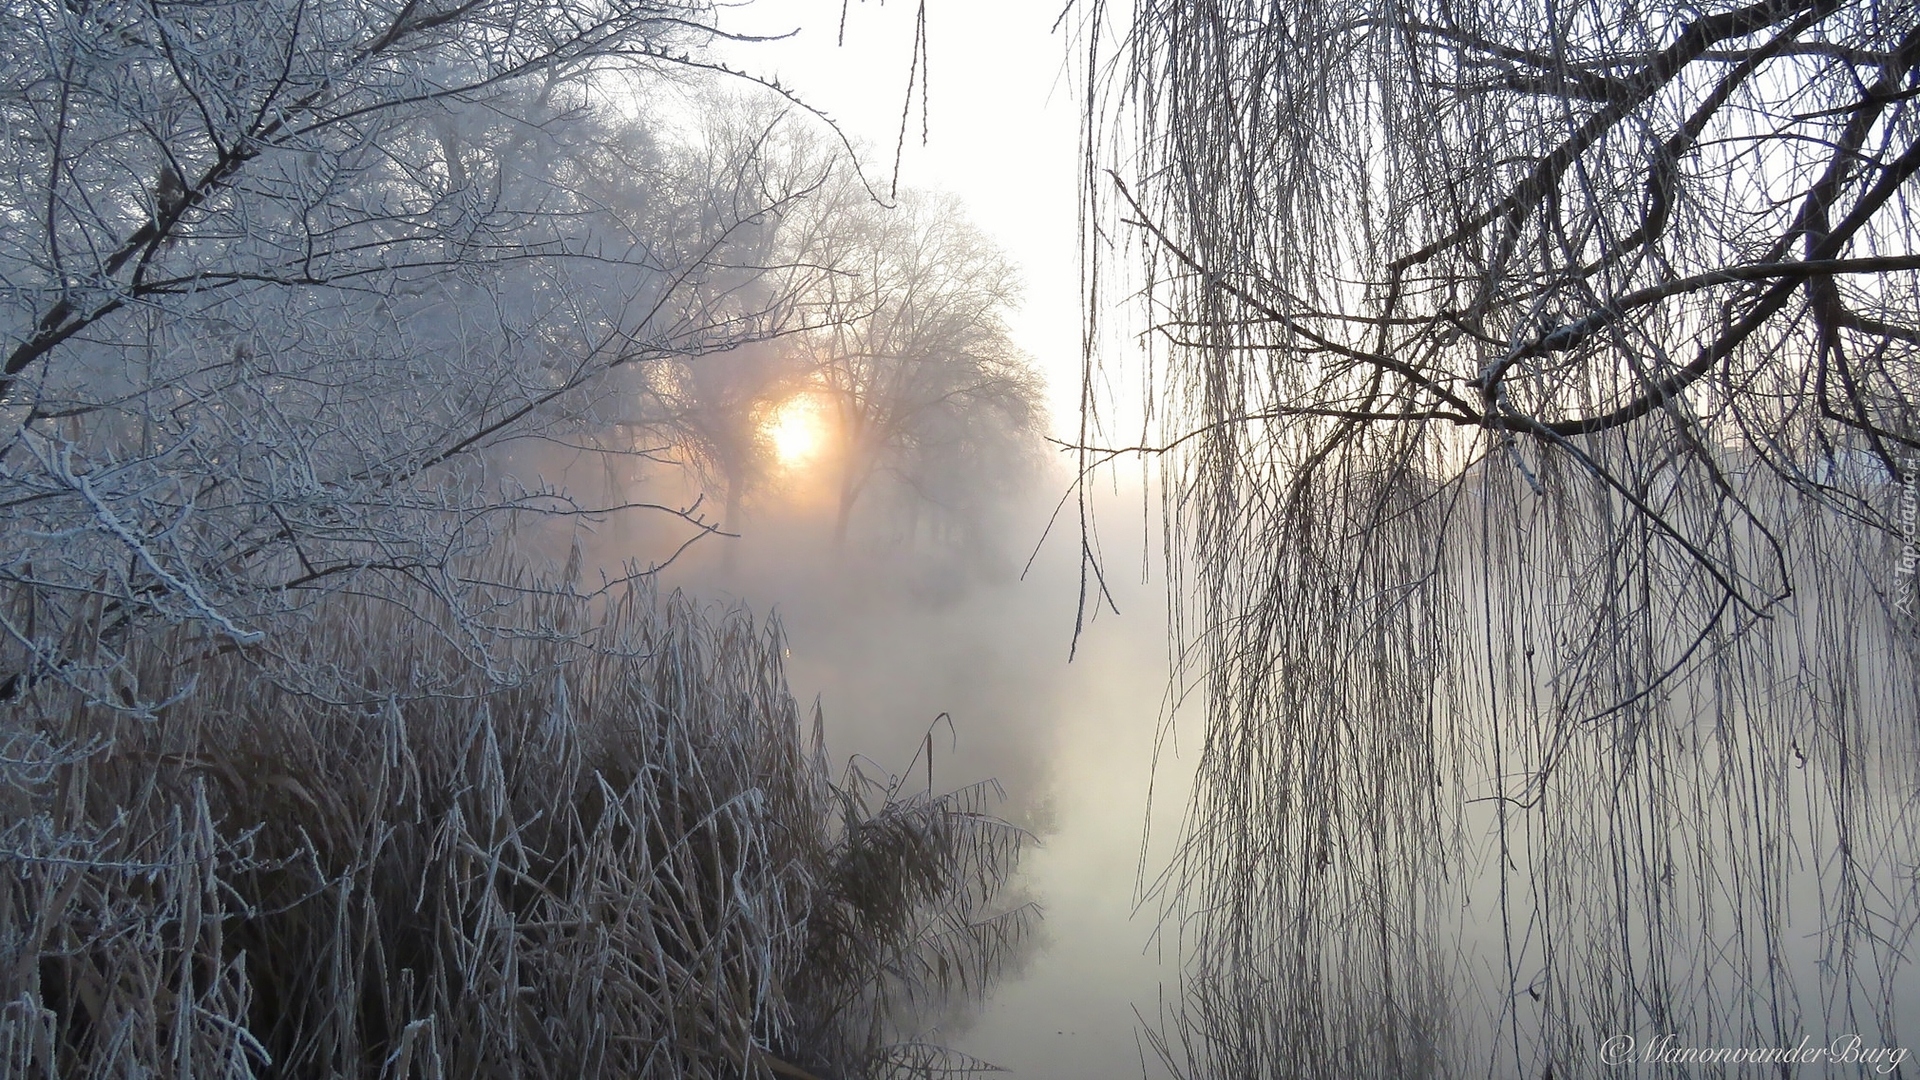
{"type": "Point", "coordinates": [838, 541]}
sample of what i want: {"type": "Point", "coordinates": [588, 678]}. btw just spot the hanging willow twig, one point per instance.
{"type": "Point", "coordinates": [1536, 383]}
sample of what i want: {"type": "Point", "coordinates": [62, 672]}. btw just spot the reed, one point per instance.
{"type": "Point", "coordinates": [584, 842]}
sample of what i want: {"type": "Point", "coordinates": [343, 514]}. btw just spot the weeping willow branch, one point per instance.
{"type": "Point", "coordinates": [1531, 386]}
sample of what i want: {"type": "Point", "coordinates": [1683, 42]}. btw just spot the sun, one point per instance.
{"type": "Point", "coordinates": [798, 430]}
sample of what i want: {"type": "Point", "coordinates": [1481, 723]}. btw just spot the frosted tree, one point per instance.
{"type": "Point", "coordinates": [286, 284]}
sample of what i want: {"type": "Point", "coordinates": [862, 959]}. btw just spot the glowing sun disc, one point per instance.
{"type": "Point", "coordinates": [797, 430]}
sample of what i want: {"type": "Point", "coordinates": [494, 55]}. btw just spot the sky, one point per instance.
{"type": "Point", "coordinates": [1002, 131]}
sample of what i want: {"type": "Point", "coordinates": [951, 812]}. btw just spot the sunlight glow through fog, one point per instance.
{"type": "Point", "coordinates": [798, 431]}
{"type": "Point", "coordinates": [1002, 132]}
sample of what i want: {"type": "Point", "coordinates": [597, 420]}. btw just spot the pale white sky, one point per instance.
{"type": "Point", "coordinates": [1002, 131]}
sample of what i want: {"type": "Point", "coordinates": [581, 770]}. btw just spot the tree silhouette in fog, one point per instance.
{"type": "Point", "coordinates": [924, 383]}
{"type": "Point", "coordinates": [900, 336]}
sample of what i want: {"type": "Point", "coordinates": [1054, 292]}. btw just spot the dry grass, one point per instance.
{"type": "Point", "coordinates": [588, 844]}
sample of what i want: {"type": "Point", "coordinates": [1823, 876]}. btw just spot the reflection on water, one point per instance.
{"type": "Point", "coordinates": [1074, 1013]}
{"type": "Point", "coordinates": [892, 630]}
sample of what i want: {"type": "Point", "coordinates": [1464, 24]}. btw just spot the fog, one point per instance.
{"type": "Point", "coordinates": [918, 633]}
{"type": "Point", "coordinates": [891, 638]}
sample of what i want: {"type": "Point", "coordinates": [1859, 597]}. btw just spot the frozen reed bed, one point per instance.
{"type": "Point", "coordinates": [590, 841]}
